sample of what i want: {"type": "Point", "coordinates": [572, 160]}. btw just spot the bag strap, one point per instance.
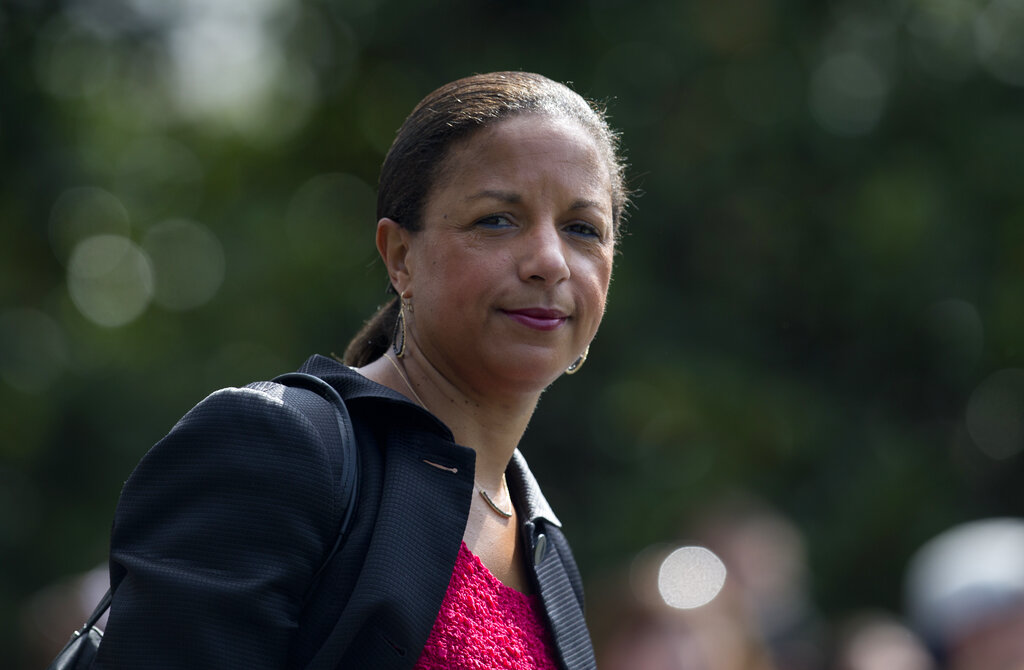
{"type": "Point", "coordinates": [349, 453]}
{"type": "Point", "coordinates": [97, 614]}
{"type": "Point", "coordinates": [349, 473]}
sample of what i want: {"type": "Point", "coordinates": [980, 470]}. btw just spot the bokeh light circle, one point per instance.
{"type": "Point", "coordinates": [110, 280]}
{"type": "Point", "coordinates": [848, 93]}
{"type": "Point", "coordinates": [690, 577]}
{"type": "Point", "coordinates": [71, 62]}
{"type": "Point", "coordinates": [995, 414]}
{"type": "Point", "coordinates": [1000, 49]}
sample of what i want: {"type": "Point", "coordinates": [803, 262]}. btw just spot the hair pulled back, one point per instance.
{"type": "Point", "coordinates": [450, 114]}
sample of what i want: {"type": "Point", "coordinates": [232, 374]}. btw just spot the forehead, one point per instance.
{"type": "Point", "coordinates": [527, 146]}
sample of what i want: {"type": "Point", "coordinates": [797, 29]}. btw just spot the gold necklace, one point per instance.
{"type": "Point", "coordinates": [401, 373]}
{"type": "Point", "coordinates": [491, 503]}
{"type": "Point", "coordinates": [483, 494]}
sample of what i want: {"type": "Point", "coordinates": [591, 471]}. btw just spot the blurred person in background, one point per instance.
{"type": "Point", "coordinates": [878, 641]}
{"type": "Point", "coordinates": [766, 556]}
{"type": "Point", "coordinates": [638, 630]}
{"type": "Point", "coordinates": [499, 207]}
{"type": "Point", "coordinates": [965, 595]}
{"type": "Point", "coordinates": [762, 618]}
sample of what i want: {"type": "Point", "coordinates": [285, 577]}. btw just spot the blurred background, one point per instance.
{"type": "Point", "coordinates": [813, 358]}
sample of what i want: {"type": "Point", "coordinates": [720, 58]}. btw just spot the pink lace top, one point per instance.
{"type": "Point", "coordinates": [485, 625]}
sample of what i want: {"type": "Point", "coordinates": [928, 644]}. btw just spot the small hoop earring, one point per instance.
{"type": "Point", "coordinates": [398, 336]}
{"type": "Point", "coordinates": [578, 363]}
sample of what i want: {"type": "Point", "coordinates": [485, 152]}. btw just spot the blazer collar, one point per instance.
{"type": "Point", "coordinates": [354, 386]}
{"type": "Point", "coordinates": [523, 486]}
{"type": "Point", "coordinates": [531, 503]}
{"type": "Point", "coordinates": [350, 383]}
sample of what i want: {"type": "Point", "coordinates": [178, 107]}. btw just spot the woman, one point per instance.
{"type": "Point", "coordinates": [499, 206]}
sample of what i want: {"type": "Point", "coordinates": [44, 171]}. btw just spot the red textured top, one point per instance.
{"type": "Point", "coordinates": [485, 625]}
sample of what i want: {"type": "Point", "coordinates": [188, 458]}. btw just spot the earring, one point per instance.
{"type": "Point", "coordinates": [578, 363]}
{"type": "Point", "coordinates": [398, 336]}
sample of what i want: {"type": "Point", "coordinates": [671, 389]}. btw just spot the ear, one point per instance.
{"type": "Point", "coordinates": [393, 244]}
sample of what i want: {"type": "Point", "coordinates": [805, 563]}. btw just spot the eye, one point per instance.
{"type": "Point", "coordinates": [494, 221]}
{"type": "Point", "coordinates": [584, 229]}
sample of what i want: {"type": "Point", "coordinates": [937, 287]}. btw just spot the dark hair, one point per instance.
{"type": "Point", "coordinates": [452, 113]}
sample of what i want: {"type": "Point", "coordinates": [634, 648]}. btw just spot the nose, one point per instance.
{"type": "Point", "coordinates": [542, 256]}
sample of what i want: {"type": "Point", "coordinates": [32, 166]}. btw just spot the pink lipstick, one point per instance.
{"type": "Point", "coordinates": [538, 318]}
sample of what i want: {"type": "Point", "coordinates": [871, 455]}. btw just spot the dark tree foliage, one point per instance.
{"type": "Point", "coordinates": [819, 301]}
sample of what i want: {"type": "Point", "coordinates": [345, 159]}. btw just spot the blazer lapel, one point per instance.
{"type": "Point", "coordinates": [424, 504]}
{"type": "Point", "coordinates": [568, 626]}
{"type": "Point", "coordinates": [554, 568]}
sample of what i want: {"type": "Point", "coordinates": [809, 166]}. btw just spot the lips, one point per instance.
{"type": "Point", "coordinates": [538, 318]}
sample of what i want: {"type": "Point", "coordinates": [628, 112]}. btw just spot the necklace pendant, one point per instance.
{"type": "Point", "coordinates": [490, 503]}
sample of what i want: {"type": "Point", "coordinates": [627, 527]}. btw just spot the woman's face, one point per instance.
{"type": "Point", "coordinates": [509, 273]}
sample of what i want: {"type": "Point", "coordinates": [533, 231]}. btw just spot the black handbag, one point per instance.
{"type": "Point", "coordinates": [80, 651]}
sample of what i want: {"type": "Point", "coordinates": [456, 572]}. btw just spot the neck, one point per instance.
{"type": "Point", "coordinates": [490, 423]}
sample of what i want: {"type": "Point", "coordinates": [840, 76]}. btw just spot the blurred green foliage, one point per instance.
{"type": "Point", "coordinates": [824, 268]}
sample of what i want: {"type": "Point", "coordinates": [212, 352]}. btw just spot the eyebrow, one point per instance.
{"type": "Point", "coordinates": [504, 196]}
{"type": "Point", "coordinates": [586, 204]}
{"type": "Point", "coordinates": [515, 199]}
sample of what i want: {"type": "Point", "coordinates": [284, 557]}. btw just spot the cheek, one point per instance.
{"type": "Point", "coordinates": [461, 279]}
{"type": "Point", "coordinates": [596, 288]}
{"type": "Point", "coordinates": [602, 273]}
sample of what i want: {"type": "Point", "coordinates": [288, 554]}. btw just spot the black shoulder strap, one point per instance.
{"type": "Point", "coordinates": [349, 453]}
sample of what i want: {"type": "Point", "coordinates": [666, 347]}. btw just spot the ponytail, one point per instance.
{"type": "Point", "coordinates": [374, 338]}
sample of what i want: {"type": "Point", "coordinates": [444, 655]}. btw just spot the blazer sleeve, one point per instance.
{"type": "Point", "coordinates": [217, 537]}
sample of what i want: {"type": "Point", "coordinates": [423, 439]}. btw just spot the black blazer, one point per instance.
{"type": "Point", "coordinates": [222, 531]}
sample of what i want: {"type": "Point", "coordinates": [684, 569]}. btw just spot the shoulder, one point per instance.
{"type": "Point", "coordinates": [219, 533]}
{"type": "Point", "coordinates": [241, 409]}
{"type": "Point", "coordinates": [238, 442]}
{"type": "Point", "coordinates": [255, 419]}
